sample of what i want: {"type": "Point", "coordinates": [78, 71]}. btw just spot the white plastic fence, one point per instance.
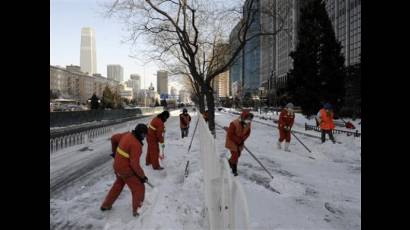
{"type": "Point", "coordinates": [83, 137]}
{"type": "Point", "coordinates": [224, 195]}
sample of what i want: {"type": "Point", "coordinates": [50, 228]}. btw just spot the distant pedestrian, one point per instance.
{"type": "Point", "coordinates": [184, 120]}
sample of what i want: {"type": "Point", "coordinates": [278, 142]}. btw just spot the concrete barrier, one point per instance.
{"type": "Point", "coordinates": [62, 119]}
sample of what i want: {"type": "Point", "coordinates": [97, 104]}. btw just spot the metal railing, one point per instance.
{"type": "Point", "coordinates": [83, 137]}
{"type": "Point", "coordinates": [337, 131]}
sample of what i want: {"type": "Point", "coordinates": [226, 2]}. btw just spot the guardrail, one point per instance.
{"type": "Point", "coordinates": [338, 131]}
{"type": "Point", "coordinates": [83, 137]}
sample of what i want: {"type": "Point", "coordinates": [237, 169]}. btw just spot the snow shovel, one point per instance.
{"type": "Point", "coordinates": [254, 157]}
{"type": "Point", "coordinates": [302, 144]}
{"type": "Point", "coordinates": [189, 148]}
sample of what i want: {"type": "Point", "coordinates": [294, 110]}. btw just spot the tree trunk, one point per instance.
{"type": "Point", "coordinates": [211, 110]}
{"type": "Point", "coordinates": [201, 101]}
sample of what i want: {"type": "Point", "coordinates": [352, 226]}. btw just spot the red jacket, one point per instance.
{"type": "Point", "coordinates": [184, 120]}
{"type": "Point", "coordinates": [131, 146]}
{"type": "Point", "coordinates": [286, 119]}
{"type": "Point", "coordinates": [156, 130]}
{"type": "Point", "coordinates": [236, 135]}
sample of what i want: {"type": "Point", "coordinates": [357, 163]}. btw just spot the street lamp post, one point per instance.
{"type": "Point", "coordinates": [261, 89]}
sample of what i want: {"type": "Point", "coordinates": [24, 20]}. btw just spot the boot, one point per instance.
{"type": "Point", "coordinates": [279, 145]}
{"type": "Point", "coordinates": [135, 213]}
{"type": "Point", "coordinates": [230, 165]}
{"type": "Point", "coordinates": [105, 208]}
{"type": "Point", "coordinates": [235, 169]}
{"type": "Point", "coordinates": [287, 147]}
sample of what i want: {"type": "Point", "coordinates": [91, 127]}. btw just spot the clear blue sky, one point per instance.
{"type": "Point", "coordinates": [67, 17]}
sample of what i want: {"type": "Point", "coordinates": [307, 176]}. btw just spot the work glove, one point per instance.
{"type": "Point", "coordinates": [162, 146]}
{"type": "Point", "coordinates": [144, 179]}
{"type": "Point", "coordinates": [287, 128]}
{"type": "Point", "coordinates": [112, 155]}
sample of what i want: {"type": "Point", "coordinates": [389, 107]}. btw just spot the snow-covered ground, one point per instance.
{"type": "Point", "coordinates": [320, 193]}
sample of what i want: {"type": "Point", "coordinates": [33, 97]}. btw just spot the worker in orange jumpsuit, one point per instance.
{"type": "Point", "coordinates": [127, 148]}
{"type": "Point", "coordinates": [325, 118]}
{"type": "Point", "coordinates": [238, 131]}
{"type": "Point", "coordinates": [155, 139]}
{"type": "Point", "coordinates": [286, 119]}
{"type": "Point", "coordinates": [184, 120]}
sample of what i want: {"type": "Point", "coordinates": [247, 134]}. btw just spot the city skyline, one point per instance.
{"type": "Point", "coordinates": [66, 20]}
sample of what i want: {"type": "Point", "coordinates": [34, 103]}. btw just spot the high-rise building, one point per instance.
{"type": "Point", "coordinates": [88, 58]}
{"type": "Point", "coordinates": [251, 55]}
{"type": "Point", "coordinates": [345, 16]}
{"type": "Point", "coordinates": [136, 81]}
{"type": "Point", "coordinates": [253, 66]}
{"type": "Point", "coordinates": [268, 52]}
{"type": "Point", "coordinates": [221, 85]}
{"type": "Point", "coordinates": [115, 72]}
{"type": "Point", "coordinates": [235, 70]}
{"type": "Point", "coordinates": [162, 82]}
{"type": "Point", "coordinates": [173, 92]}
{"type": "Point", "coordinates": [265, 60]}
{"type": "Point", "coordinates": [286, 40]}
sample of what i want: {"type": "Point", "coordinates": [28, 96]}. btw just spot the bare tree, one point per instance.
{"type": "Point", "coordinates": [190, 37]}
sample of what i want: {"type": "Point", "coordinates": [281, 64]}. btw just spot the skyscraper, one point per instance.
{"type": "Point", "coordinates": [220, 84]}
{"type": "Point", "coordinates": [251, 57]}
{"type": "Point", "coordinates": [136, 81]}
{"type": "Point", "coordinates": [253, 66]}
{"type": "Point", "coordinates": [88, 58]}
{"type": "Point", "coordinates": [346, 20]}
{"type": "Point", "coordinates": [162, 82]}
{"type": "Point", "coordinates": [235, 70]}
{"type": "Point", "coordinates": [115, 72]}
{"type": "Point", "coordinates": [286, 40]}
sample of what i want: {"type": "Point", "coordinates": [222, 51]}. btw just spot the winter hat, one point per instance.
{"type": "Point", "coordinates": [327, 106]}
{"type": "Point", "coordinates": [289, 105]}
{"type": "Point", "coordinates": [141, 128]}
{"type": "Point", "coordinates": [164, 114]}
{"type": "Point", "coordinates": [140, 131]}
{"type": "Point", "coordinates": [246, 114]}
{"type": "Point", "coordinates": [184, 110]}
